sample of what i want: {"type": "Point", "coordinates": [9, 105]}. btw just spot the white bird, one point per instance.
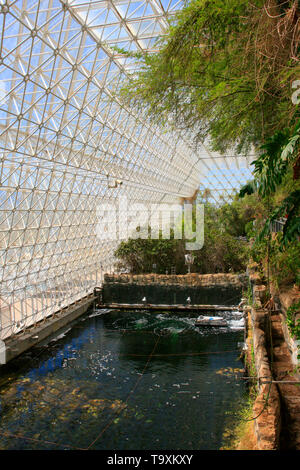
{"type": "Point", "coordinates": [188, 300]}
{"type": "Point", "coordinates": [144, 299]}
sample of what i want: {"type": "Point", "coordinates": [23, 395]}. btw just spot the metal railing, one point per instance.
{"type": "Point", "coordinates": [277, 225]}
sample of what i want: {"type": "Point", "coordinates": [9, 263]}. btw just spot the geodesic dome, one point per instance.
{"type": "Point", "coordinates": [68, 143]}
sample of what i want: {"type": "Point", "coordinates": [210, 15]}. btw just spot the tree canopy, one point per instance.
{"type": "Point", "coordinates": [225, 70]}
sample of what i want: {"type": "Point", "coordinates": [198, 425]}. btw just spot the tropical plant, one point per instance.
{"type": "Point", "coordinates": [271, 168]}
{"type": "Point", "coordinates": [293, 323]}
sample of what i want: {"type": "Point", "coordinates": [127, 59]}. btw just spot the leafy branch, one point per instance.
{"type": "Point", "coordinates": [271, 167]}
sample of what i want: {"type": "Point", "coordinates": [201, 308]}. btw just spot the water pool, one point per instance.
{"type": "Point", "coordinates": [132, 380]}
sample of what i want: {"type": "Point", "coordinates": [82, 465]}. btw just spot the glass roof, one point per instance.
{"type": "Point", "coordinates": [67, 141]}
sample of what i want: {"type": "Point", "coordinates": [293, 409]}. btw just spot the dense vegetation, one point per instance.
{"type": "Point", "coordinates": [277, 185]}
{"type": "Point", "coordinates": [223, 249]}
{"type": "Point", "coordinates": [146, 256]}
{"type": "Point", "coordinates": [280, 250]}
{"type": "Point", "coordinates": [225, 70]}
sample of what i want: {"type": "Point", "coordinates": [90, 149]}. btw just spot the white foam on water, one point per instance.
{"type": "Point", "coordinates": [189, 321]}
{"type": "Point", "coordinates": [236, 324]}
{"type": "Point", "coordinates": [61, 335]}
{"type": "Point", "coordinates": [237, 313]}
{"type": "Point", "coordinates": [100, 312]}
{"type": "Point", "coordinates": [172, 329]}
{"type": "Point", "coordinates": [142, 321]}
{"type": "Point", "coordinates": [161, 316]}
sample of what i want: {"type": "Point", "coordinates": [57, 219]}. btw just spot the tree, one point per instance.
{"type": "Point", "coordinates": [223, 249]}
{"type": "Point", "coordinates": [223, 70]}
{"type": "Point", "coordinates": [139, 255]}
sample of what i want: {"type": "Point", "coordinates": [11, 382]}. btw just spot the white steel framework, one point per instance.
{"type": "Point", "coordinates": [65, 138]}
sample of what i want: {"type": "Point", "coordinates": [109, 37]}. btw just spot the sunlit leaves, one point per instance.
{"type": "Point", "coordinates": [270, 169]}
{"type": "Point", "coordinates": [208, 79]}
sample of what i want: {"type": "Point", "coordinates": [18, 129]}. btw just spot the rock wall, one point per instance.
{"type": "Point", "coordinates": [270, 347]}
{"type": "Point", "coordinates": [286, 298]}
{"type": "Point", "coordinates": [283, 298]}
{"type": "Point", "coordinates": [211, 289]}
{"type": "Point", "coordinates": [266, 413]}
{"type": "Point", "coordinates": [266, 407]}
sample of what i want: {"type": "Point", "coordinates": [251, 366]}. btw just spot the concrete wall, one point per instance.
{"type": "Point", "coordinates": [211, 289]}
{"type": "Point", "coordinates": [14, 346]}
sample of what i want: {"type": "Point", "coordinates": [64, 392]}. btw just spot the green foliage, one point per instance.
{"type": "Point", "coordinates": [221, 253]}
{"type": "Point", "coordinates": [249, 294]}
{"type": "Point", "coordinates": [293, 325]}
{"type": "Point", "coordinates": [223, 250]}
{"type": "Point", "coordinates": [285, 264]}
{"type": "Point", "coordinates": [279, 152]}
{"type": "Point", "coordinates": [270, 166]}
{"type": "Point", "coordinates": [248, 188]}
{"type": "Point", "coordinates": [289, 208]}
{"type": "Point", "coordinates": [281, 250]}
{"type": "Point", "coordinates": [272, 170]}
{"type": "Point", "coordinates": [220, 71]}
{"type": "Point", "coordinates": [139, 255]}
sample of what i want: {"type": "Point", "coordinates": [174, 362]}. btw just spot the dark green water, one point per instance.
{"type": "Point", "coordinates": [125, 381]}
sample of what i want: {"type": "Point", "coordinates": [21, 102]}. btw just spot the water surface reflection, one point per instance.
{"type": "Point", "coordinates": [125, 381]}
